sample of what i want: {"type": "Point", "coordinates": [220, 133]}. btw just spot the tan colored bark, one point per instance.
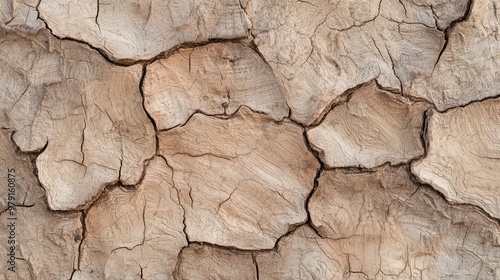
{"type": "Point", "coordinates": [128, 30]}
{"type": "Point", "coordinates": [243, 181]}
{"type": "Point", "coordinates": [83, 112]}
{"type": "Point", "coordinates": [372, 128]}
{"type": "Point", "coordinates": [216, 79]}
{"type": "Point", "coordinates": [381, 225]}
{"type": "Point", "coordinates": [463, 157]}
{"type": "Point", "coordinates": [467, 70]}
{"type": "Point", "coordinates": [208, 262]}
{"type": "Point", "coordinates": [249, 139]}
{"type": "Point", "coordinates": [133, 234]}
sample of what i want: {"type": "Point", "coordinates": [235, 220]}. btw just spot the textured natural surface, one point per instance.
{"type": "Point", "coordinates": [467, 69]}
{"type": "Point", "coordinates": [83, 112]}
{"type": "Point", "coordinates": [381, 225]}
{"type": "Point", "coordinates": [249, 139]}
{"type": "Point", "coordinates": [371, 128]}
{"type": "Point", "coordinates": [125, 226]}
{"type": "Point", "coordinates": [320, 48]}
{"type": "Point", "coordinates": [464, 146]}
{"type": "Point", "coordinates": [216, 79]}
{"type": "Point", "coordinates": [132, 30]}
{"type": "Point", "coordinates": [208, 262]}
{"type": "Point", "coordinates": [47, 241]}
{"type": "Point", "coordinates": [243, 181]}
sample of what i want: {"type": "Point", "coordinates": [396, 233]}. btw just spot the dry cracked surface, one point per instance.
{"type": "Point", "coordinates": [249, 139]}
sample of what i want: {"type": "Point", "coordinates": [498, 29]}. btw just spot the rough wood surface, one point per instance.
{"type": "Point", "coordinates": [463, 158]}
{"type": "Point", "coordinates": [135, 233]}
{"type": "Point", "coordinates": [47, 241]}
{"type": "Point", "coordinates": [319, 49]}
{"type": "Point", "coordinates": [243, 181]}
{"type": "Point", "coordinates": [216, 79]}
{"type": "Point", "coordinates": [371, 128]}
{"type": "Point", "coordinates": [249, 139]}
{"type": "Point", "coordinates": [134, 30]}
{"type": "Point", "coordinates": [467, 69]}
{"type": "Point", "coordinates": [83, 113]}
{"type": "Point", "coordinates": [381, 225]}
{"type": "Point", "coordinates": [208, 262]}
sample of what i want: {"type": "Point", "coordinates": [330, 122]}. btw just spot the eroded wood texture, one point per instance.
{"type": "Point", "coordinates": [216, 79]}
{"type": "Point", "coordinates": [243, 181]}
{"type": "Point", "coordinates": [371, 128]}
{"type": "Point", "coordinates": [134, 234]}
{"type": "Point", "coordinates": [319, 49]}
{"type": "Point", "coordinates": [467, 70]}
{"type": "Point", "coordinates": [134, 30]}
{"type": "Point", "coordinates": [84, 114]}
{"type": "Point", "coordinates": [20, 15]}
{"type": "Point", "coordinates": [208, 262]}
{"type": "Point", "coordinates": [381, 225]}
{"type": "Point", "coordinates": [46, 242]}
{"type": "Point", "coordinates": [249, 139]}
{"type": "Point", "coordinates": [463, 158]}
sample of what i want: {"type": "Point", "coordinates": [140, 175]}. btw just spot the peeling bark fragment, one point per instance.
{"type": "Point", "coordinates": [372, 128]}
{"type": "Point", "coordinates": [242, 180]}
{"type": "Point", "coordinates": [319, 49]}
{"type": "Point", "coordinates": [137, 30]}
{"type": "Point", "coordinates": [83, 112]}
{"type": "Point", "coordinates": [198, 262]}
{"type": "Point", "coordinates": [214, 79]}
{"type": "Point", "coordinates": [467, 70]}
{"type": "Point", "coordinates": [134, 233]}
{"type": "Point", "coordinates": [463, 157]}
{"type": "Point", "coordinates": [380, 225]}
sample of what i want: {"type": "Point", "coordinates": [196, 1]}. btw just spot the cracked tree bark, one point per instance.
{"type": "Point", "coordinates": [249, 139]}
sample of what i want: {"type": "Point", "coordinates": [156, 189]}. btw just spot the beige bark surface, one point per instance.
{"type": "Point", "coordinates": [319, 49]}
{"type": "Point", "coordinates": [216, 79]}
{"type": "Point", "coordinates": [463, 159]}
{"type": "Point", "coordinates": [208, 262]}
{"type": "Point", "coordinates": [381, 225]}
{"type": "Point", "coordinates": [249, 139]}
{"type": "Point", "coordinates": [134, 30]}
{"type": "Point", "coordinates": [46, 241]}
{"type": "Point", "coordinates": [242, 181]}
{"type": "Point", "coordinates": [83, 113]}
{"type": "Point", "coordinates": [135, 233]}
{"type": "Point", "coordinates": [371, 128]}
{"type": "Point", "coordinates": [467, 70]}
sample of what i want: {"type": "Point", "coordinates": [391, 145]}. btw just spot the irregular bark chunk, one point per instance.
{"type": "Point", "coordinates": [242, 180]}
{"type": "Point", "coordinates": [372, 128]}
{"type": "Point", "coordinates": [83, 112]}
{"type": "Point", "coordinates": [214, 79]}
{"type": "Point", "coordinates": [134, 30]}
{"type": "Point", "coordinates": [467, 70]}
{"type": "Point", "coordinates": [319, 49]}
{"type": "Point", "coordinates": [199, 262]}
{"type": "Point", "coordinates": [134, 233]}
{"type": "Point", "coordinates": [380, 225]}
{"type": "Point", "coordinates": [463, 157]}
